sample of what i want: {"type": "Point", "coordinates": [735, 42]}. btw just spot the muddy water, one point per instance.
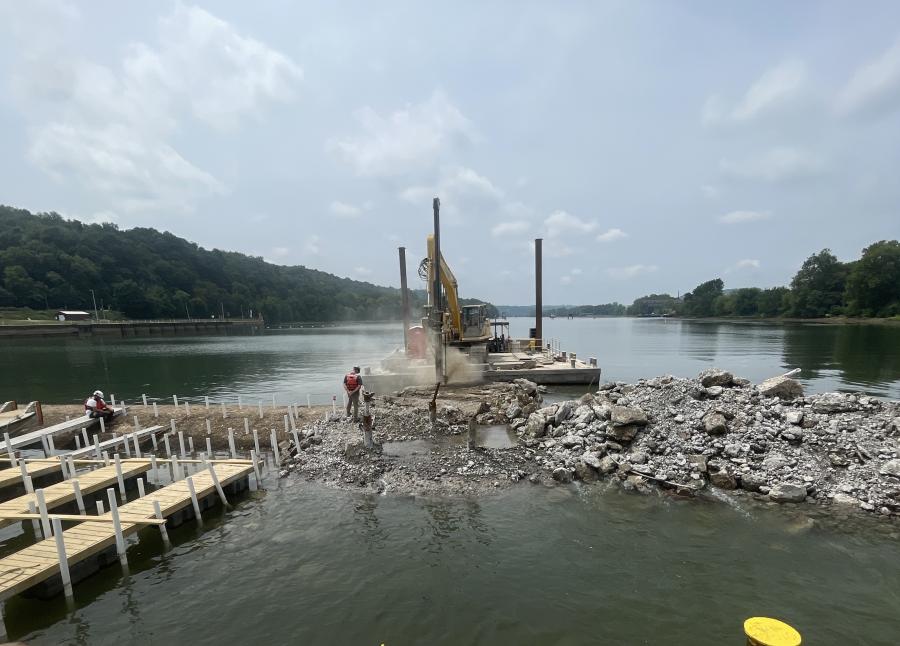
{"type": "Point", "coordinates": [304, 565]}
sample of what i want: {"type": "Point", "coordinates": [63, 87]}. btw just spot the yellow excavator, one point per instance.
{"type": "Point", "coordinates": [464, 325]}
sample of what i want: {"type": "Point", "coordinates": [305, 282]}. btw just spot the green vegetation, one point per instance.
{"type": "Point", "coordinates": [824, 286]}
{"type": "Point", "coordinates": [47, 262]}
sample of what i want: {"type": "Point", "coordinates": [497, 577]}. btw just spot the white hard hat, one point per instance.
{"type": "Point", "coordinates": [98, 393]}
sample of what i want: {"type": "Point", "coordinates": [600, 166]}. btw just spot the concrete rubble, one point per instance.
{"type": "Point", "coordinates": [684, 436]}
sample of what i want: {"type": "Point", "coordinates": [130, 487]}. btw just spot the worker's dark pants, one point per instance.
{"type": "Point", "coordinates": [353, 400]}
{"type": "Point", "coordinates": [105, 414]}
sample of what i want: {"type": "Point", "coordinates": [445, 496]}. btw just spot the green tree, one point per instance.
{"type": "Point", "coordinates": [701, 301]}
{"type": "Point", "coordinates": [873, 283]}
{"type": "Point", "coordinates": [818, 287]}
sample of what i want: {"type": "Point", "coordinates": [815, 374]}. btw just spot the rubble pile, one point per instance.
{"type": "Point", "coordinates": [687, 436]}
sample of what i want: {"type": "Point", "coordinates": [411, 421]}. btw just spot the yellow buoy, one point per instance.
{"type": "Point", "coordinates": [763, 631]}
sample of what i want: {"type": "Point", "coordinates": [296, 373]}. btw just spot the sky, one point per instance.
{"type": "Point", "coordinates": [652, 145]}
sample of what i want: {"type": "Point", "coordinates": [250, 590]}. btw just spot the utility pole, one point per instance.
{"type": "Point", "coordinates": [96, 315]}
{"type": "Point", "coordinates": [437, 306]}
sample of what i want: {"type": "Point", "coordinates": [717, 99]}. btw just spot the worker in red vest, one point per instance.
{"type": "Point", "coordinates": [352, 386]}
{"type": "Point", "coordinates": [95, 407]}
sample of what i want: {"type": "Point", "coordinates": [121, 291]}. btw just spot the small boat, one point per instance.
{"type": "Point", "coordinates": [14, 419]}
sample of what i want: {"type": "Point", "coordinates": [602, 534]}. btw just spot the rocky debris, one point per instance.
{"type": "Point", "coordinates": [767, 442]}
{"type": "Point", "coordinates": [715, 377]}
{"type": "Point", "coordinates": [714, 423]}
{"type": "Point", "coordinates": [785, 492]}
{"type": "Point", "coordinates": [781, 387]}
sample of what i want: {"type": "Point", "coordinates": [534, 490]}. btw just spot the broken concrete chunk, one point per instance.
{"type": "Point", "coordinates": [628, 415]}
{"type": "Point", "coordinates": [715, 377]}
{"type": "Point", "coordinates": [785, 492]}
{"type": "Point", "coordinates": [782, 387]}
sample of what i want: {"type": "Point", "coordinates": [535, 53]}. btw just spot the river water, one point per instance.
{"type": "Point", "coordinates": [298, 563]}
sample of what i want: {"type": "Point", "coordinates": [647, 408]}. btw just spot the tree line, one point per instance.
{"type": "Point", "coordinates": [824, 286]}
{"type": "Point", "coordinates": [48, 262]}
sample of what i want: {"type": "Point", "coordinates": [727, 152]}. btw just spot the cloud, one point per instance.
{"type": "Point", "coordinates": [740, 217]}
{"type": "Point", "coordinates": [461, 190]}
{"type": "Point", "coordinates": [362, 271]}
{"type": "Point", "coordinates": [781, 164]}
{"type": "Point", "coordinates": [510, 228]}
{"type": "Point", "coordinates": [631, 271]}
{"type": "Point", "coordinates": [405, 140]}
{"type": "Point", "coordinates": [313, 245]}
{"type": "Point", "coordinates": [559, 223]}
{"type": "Point", "coordinates": [611, 234]}
{"type": "Point", "coordinates": [777, 89]}
{"type": "Point", "coordinates": [709, 191]}
{"type": "Point", "coordinates": [747, 263]}
{"type": "Point", "coordinates": [107, 129]}
{"type": "Point", "coordinates": [280, 252]}
{"type": "Point", "coordinates": [344, 210]}
{"type": "Point", "coordinates": [874, 88]}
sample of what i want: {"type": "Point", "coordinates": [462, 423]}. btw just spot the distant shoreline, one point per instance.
{"type": "Point", "coordinates": [832, 320]}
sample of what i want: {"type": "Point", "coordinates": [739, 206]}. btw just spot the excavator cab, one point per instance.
{"type": "Point", "coordinates": [474, 320]}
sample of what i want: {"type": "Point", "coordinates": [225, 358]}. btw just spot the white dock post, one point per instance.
{"type": "Point", "coordinates": [273, 401]}
{"type": "Point", "coordinates": [153, 439]}
{"type": "Point", "coordinates": [78, 499]}
{"type": "Point", "coordinates": [208, 426]}
{"type": "Point", "coordinates": [224, 412]}
{"type": "Point", "coordinates": [51, 445]}
{"type": "Point", "coordinates": [175, 400]}
{"type": "Point", "coordinates": [254, 457]}
{"type": "Point", "coordinates": [194, 501]}
{"type": "Point", "coordinates": [117, 527]}
{"type": "Point", "coordinates": [63, 561]}
{"type": "Point", "coordinates": [166, 444]}
{"type": "Point", "coordinates": [187, 407]}
{"type": "Point", "coordinates": [256, 441]}
{"type": "Point", "coordinates": [231, 443]}
{"type": "Point", "coordinates": [275, 447]}
{"type": "Point", "coordinates": [172, 424]}
{"type": "Point", "coordinates": [176, 469]}
{"type": "Point", "coordinates": [102, 425]}
{"type": "Point", "coordinates": [9, 449]}
{"type": "Point", "coordinates": [246, 426]}
{"type": "Point", "coordinates": [35, 523]}
{"type": "Point", "coordinates": [144, 399]}
{"type": "Point", "coordinates": [137, 423]}
{"type": "Point", "coordinates": [137, 445]}
{"type": "Point", "coordinates": [127, 447]}
{"type": "Point", "coordinates": [84, 436]}
{"type": "Point", "coordinates": [100, 509]}
{"type": "Point", "coordinates": [181, 444]}
{"type": "Point", "coordinates": [77, 442]}
{"type": "Point", "coordinates": [240, 403]}
{"type": "Point", "coordinates": [63, 469]}
{"type": "Point", "coordinates": [206, 400]}
{"type": "Point", "coordinates": [334, 404]}
{"type": "Point", "coordinates": [155, 410]}
{"type": "Point", "coordinates": [97, 447]}
{"type": "Point", "coordinates": [191, 444]}
{"type": "Point", "coordinates": [42, 510]}
{"type": "Point", "coordinates": [141, 492]}
{"type": "Point", "coordinates": [124, 409]}
{"type": "Point", "coordinates": [287, 427]}
{"type": "Point", "coordinates": [70, 462]}
{"type": "Point", "coordinates": [215, 479]}
{"type": "Point", "coordinates": [120, 478]}
{"type": "Point", "coordinates": [106, 458]}
{"type": "Point", "coordinates": [112, 399]}
{"type": "Point", "coordinates": [308, 405]}
{"type": "Point", "coordinates": [154, 467]}
{"type": "Point", "coordinates": [162, 528]}
{"type": "Point", "coordinates": [208, 446]}
{"type": "Point", "coordinates": [260, 409]}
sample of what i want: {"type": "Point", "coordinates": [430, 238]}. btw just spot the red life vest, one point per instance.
{"type": "Point", "coordinates": [352, 380]}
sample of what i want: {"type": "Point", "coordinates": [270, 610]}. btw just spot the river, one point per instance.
{"type": "Point", "coordinates": [298, 563]}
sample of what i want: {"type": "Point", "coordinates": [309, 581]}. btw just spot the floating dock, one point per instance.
{"type": "Point", "coordinates": [42, 435]}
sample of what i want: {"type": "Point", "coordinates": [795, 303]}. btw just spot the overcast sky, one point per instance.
{"type": "Point", "coordinates": [653, 145]}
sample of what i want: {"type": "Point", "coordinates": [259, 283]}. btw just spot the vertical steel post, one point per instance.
{"type": "Point", "coordinates": [437, 306]}
{"type": "Point", "coordinates": [404, 298]}
{"type": "Point", "coordinates": [538, 294]}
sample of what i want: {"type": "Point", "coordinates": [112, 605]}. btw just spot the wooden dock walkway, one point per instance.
{"type": "Point", "coordinates": [40, 435]}
{"type": "Point", "coordinates": [63, 492]}
{"type": "Point", "coordinates": [39, 562]}
{"type": "Point", "coordinates": [35, 468]}
{"type": "Point", "coordinates": [141, 434]}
